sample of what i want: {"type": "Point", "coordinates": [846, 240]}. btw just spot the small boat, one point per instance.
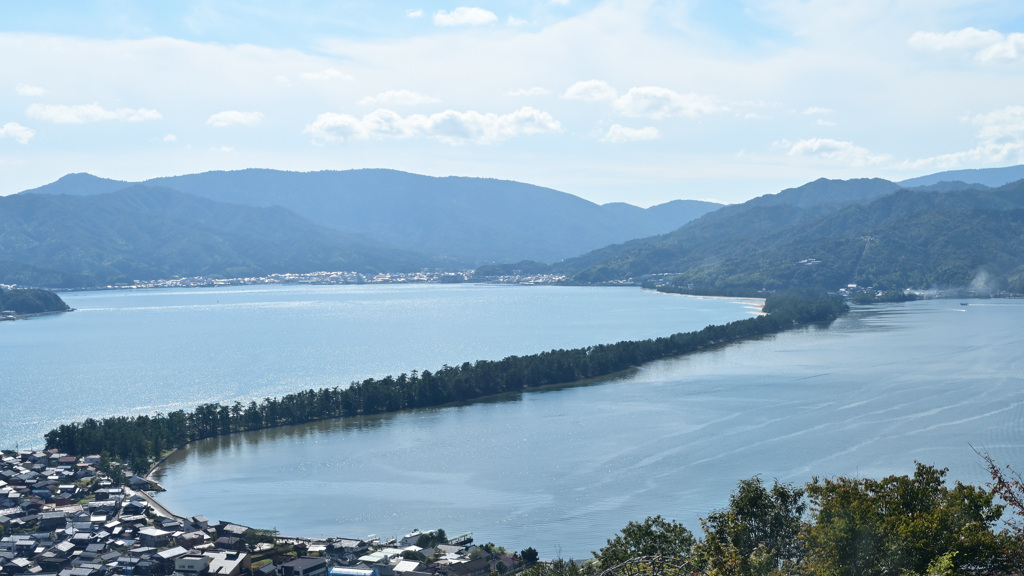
{"type": "Point", "coordinates": [963, 303]}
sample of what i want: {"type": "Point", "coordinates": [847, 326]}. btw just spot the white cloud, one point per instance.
{"type": "Point", "coordinates": [78, 114]}
{"type": "Point", "coordinates": [825, 122]}
{"type": "Point", "coordinates": [170, 138]}
{"type": "Point", "coordinates": [658, 103]}
{"type": "Point", "coordinates": [833, 151]}
{"type": "Point", "coordinates": [1011, 48]}
{"type": "Point", "coordinates": [223, 149]}
{"type": "Point", "coordinates": [16, 131]}
{"type": "Point", "coordinates": [989, 44]}
{"type": "Point", "coordinates": [590, 91]}
{"type": "Point", "coordinates": [643, 102]}
{"type": "Point", "coordinates": [1001, 139]}
{"type": "Point", "coordinates": [966, 38]}
{"type": "Point", "coordinates": [836, 55]}
{"type": "Point", "coordinates": [229, 117]}
{"type": "Point", "coordinates": [513, 21]}
{"type": "Point", "coordinates": [417, 13]}
{"type": "Point", "coordinates": [562, 2]}
{"type": "Point", "coordinates": [618, 134]}
{"type": "Point", "coordinates": [1001, 126]}
{"type": "Point", "coordinates": [449, 126]}
{"type": "Point", "coordinates": [326, 74]}
{"type": "Point", "coordinates": [26, 90]}
{"type": "Point", "coordinates": [463, 16]}
{"type": "Point", "coordinates": [535, 91]}
{"type": "Point", "coordinates": [817, 110]}
{"type": "Point", "coordinates": [399, 97]}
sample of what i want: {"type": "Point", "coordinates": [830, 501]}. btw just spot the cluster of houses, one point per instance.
{"type": "Point", "coordinates": [403, 557]}
{"type": "Point", "coordinates": [61, 516]}
{"type": "Point", "coordinates": [338, 277]}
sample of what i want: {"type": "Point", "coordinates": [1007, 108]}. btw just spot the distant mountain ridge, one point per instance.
{"type": "Point", "coordinates": [759, 215]}
{"type": "Point", "coordinates": [83, 229]}
{"type": "Point", "coordinates": [947, 234]}
{"type": "Point", "coordinates": [144, 233]}
{"type": "Point", "coordinates": [469, 220]}
{"type": "Point", "coordinates": [991, 177]}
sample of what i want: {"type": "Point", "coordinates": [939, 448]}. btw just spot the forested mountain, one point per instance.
{"type": "Point", "coordinates": [993, 177]}
{"type": "Point", "coordinates": [145, 232]}
{"type": "Point", "coordinates": [472, 220]}
{"type": "Point", "coordinates": [949, 186]}
{"type": "Point", "coordinates": [728, 224]}
{"type": "Point", "coordinates": [825, 192]}
{"type": "Point", "coordinates": [256, 221]}
{"type": "Point", "coordinates": [910, 238]}
{"type": "Point", "coordinates": [31, 301]}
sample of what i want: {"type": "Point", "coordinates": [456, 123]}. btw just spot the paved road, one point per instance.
{"type": "Point", "coordinates": [157, 507]}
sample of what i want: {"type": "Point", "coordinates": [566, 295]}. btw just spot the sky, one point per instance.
{"type": "Point", "coordinates": [637, 101]}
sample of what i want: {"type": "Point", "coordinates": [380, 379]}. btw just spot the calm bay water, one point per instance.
{"type": "Point", "coordinates": [561, 470]}
{"type": "Point", "coordinates": [134, 352]}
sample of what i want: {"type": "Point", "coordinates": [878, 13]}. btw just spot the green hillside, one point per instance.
{"type": "Point", "coordinates": [917, 239]}
{"type": "Point", "coordinates": [31, 301]}
{"type": "Point", "coordinates": [149, 233]}
{"type": "Point", "coordinates": [471, 220]}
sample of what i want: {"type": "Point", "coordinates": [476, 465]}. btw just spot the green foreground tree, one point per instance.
{"type": "Point", "coordinates": [897, 526]}
{"type": "Point", "coordinates": [655, 536]}
{"type": "Point", "coordinates": [757, 534]}
{"type": "Point", "coordinates": [902, 525]}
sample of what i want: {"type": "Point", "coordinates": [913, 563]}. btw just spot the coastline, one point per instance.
{"type": "Point", "coordinates": [158, 465]}
{"type": "Point", "coordinates": [456, 385]}
{"type": "Point", "coordinates": [753, 304]}
{"type": "Point", "coordinates": [628, 356]}
{"type": "Point", "coordinates": [37, 314]}
{"type": "Point", "coordinates": [50, 313]}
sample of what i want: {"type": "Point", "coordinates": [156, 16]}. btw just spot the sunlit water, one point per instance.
{"type": "Point", "coordinates": [132, 352]}
{"type": "Point", "coordinates": [561, 470]}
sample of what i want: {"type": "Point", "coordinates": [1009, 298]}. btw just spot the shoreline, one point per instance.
{"type": "Point", "coordinates": [710, 338]}
{"type": "Point", "coordinates": [155, 468]}
{"type": "Point", "coordinates": [158, 465]}
{"type": "Point", "coordinates": [749, 302]}
{"type": "Point", "coordinates": [613, 360]}
{"type": "Point", "coordinates": [37, 314]}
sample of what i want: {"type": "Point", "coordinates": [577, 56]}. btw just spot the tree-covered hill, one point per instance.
{"type": "Point", "coordinates": [909, 238]}
{"type": "Point", "coordinates": [31, 301]}
{"type": "Point", "coordinates": [993, 177]}
{"type": "Point", "coordinates": [148, 233]}
{"type": "Point", "coordinates": [730, 223]}
{"type": "Point", "coordinates": [472, 220]}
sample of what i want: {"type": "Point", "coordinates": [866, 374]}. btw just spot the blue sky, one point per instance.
{"type": "Point", "coordinates": [635, 101]}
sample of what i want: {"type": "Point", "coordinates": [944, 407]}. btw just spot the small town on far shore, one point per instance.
{"type": "Point", "coordinates": [324, 278]}
{"type": "Point", "coordinates": [64, 515]}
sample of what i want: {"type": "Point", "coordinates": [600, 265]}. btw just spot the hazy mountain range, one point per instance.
{"type": "Point", "coordinates": [145, 232]}
{"type": "Point", "coordinates": [82, 230]}
{"type": "Point", "coordinates": [467, 221]}
{"type": "Point", "coordinates": [832, 233]}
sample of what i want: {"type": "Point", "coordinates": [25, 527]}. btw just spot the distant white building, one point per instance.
{"type": "Point", "coordinates": [411, 538]}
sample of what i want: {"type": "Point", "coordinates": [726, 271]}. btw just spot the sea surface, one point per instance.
{"type": "Point", "coordinates": [563, 469]}
{"type": "Point", "coordinates": [145, 351]}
